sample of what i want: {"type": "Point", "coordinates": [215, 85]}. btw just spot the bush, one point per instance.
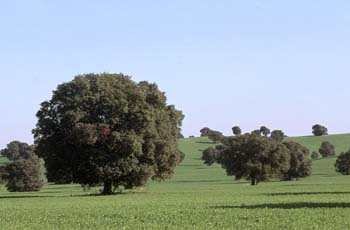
{"type": "Point", "coordinates": [277, 135]}
{"type": "Point", "coordinates": [342, 164]}
{"type": "Point", "coordinates": [23, 175]}
{"type": "Point", "coordinates": [319, 130]}
{"type": "Point", "coordinates": [209, 156]}
{"type": "Point", "coordinates": [327, 149]}
{"type": "Point", "coordinates": [236, 130]}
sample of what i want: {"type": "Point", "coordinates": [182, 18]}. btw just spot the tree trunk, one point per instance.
{"type": "Point", "coordinates": [253, 181]}
{"type": "Point", "coordinates": [107, 188]}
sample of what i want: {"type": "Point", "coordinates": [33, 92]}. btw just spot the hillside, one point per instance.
{"type": "Point", "coordinates": [198, 197]}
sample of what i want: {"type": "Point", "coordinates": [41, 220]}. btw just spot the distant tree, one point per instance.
{"type": "Point", "coordinates": [180, 136]}
{"type": "Point", "coordinates": [342, 164]}
{"type": "Point", "coordinates": [327, 149]}
{"type": "Point", "coordinates": [319, 130]}
{"type": "Point", "coordinates": [22, 173]}
{"type": "Point", "coordinates": [209, 156]}
{"type": "Point", "coordinates": [205, 132]}
{"type": "Point", "coordinates": [215, 136]}
{"type": "Point", "coordinates": [265, 131]}
{"type": "Point", "coordinates": [236, 130]}
{"type": "Point", "coordinates": [254, 158]}
{"type": "Point", "coordinates": [18, 150]}
{"type": "Point", "coordinates": [315, 155]}
{"type": "Point", "coordinates": [277, 135]}
{"type": "Point", "coordinates": [256, 132]}
{"type": "Point", "coordinates": [300, 164]}
{"type": "Point", "coordinates": [105, 129]}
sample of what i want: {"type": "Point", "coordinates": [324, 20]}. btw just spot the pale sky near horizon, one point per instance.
{"type": "Point", "coordinates": [283, 64]}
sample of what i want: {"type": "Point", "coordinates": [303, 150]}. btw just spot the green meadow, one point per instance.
{"type": "Point", "coordinates": [198, 197]}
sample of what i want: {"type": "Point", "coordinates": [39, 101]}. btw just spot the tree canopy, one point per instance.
{"type": "Point", "coordinates": [259, 158]}
{"type": "Point", "coordinates": [205, 131]}
{"type": "Point", "coordinates": [236, 130]}
{"type": "Point", "coordinates": [254, 158]}
{"type": "Point", "coordinates": [105, 129]}
{"type": "Point", "coordinates": [342, 164]}
{"type": "Point", "coordinates": [300, 164]}
{"type": "Point", "coordinates": [277, 135]}
{"type": "Point", "coordinates": [22, 173]}
{"type": "Point", "coordinates": [265, 131]}
{"type": "Point", "coordinates": [319, 130]}
{"type": "Point", "coordinates": [327, 149]}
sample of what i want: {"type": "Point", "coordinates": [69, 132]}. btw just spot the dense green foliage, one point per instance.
{"type": "Point", "coordinates": [256, 132]}
{"type": "Point", "coordinates": [265, 131]}
{"type": "Point", "coordinates": [342, 164]}
{"type": "Point", "coordinates": [319, 130]}
{"type": "Point", "coordinates": [277, 135]}
{"type": "Point", "coordinates": [215, 136]}
{"type": "Point", "coordinates": [300, 164]}
{"type": "Point", "coordinates": [236, 130]}
{"type": "Point", "coordinates": [210, 156]}
{"type": "Point", "coordinates": [22, 171]}
{"type": "Point", "coordinates": [254, 158]}
{"type": "Point", "coordinates": [198, 197]}
{"type": "Point", "coordinates": [205, 131]}
{"type": "Point", "coordinates": [106, 129]}
{"type": "Point", "coordinates": [327, 149]}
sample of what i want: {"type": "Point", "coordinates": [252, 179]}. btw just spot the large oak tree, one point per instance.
{"type": "Point", "coordinates": [254, 158]}
{"type": "Point", "coordinates": [105, 129]}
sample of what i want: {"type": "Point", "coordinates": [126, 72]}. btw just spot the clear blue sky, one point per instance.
{"type": "Point", "coordinates": [284, 64]}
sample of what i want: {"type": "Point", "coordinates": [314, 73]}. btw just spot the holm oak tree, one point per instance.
{"type": "Point", "coordinates": [105, 129]}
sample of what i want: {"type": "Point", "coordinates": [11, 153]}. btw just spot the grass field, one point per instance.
{"type": "Point", "coordinates": [198, 197]}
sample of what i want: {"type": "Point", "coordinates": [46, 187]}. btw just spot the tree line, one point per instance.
{"type": "Point", "coordinates": [262, 155]}
{"type": "Point", "coordinates": [107, 130]}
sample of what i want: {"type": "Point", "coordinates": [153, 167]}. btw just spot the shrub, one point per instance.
{"type": "Point", "coordinates": [327, 149]}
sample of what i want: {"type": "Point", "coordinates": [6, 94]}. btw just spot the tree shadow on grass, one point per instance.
{"type": "Point", "coordinates": [202, 181]}
{"type": "Point", "coordinates": [205, 142]}
{"type": "Point", "coordinates": [190, 165]}
{"type": "Point", "coordinates": [68, 186]}
{"type": "Point", "coordinates": [26, 197]}
{"type": "Point", "coordinates": [297, 205]}
{"type": "Point", "coordinates": [307, 193]}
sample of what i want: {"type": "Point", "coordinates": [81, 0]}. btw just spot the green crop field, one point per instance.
{"type": "Point", "coordinates": [198, 197]}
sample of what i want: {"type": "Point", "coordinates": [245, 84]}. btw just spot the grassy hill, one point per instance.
{"type": "Point", "coordinates": [198, 197]}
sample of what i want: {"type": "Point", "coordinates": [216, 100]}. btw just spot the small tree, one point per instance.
{"type": "Point", "coordinates": [315, 155]}
{"type": "Point", "coordinates": [342, 164]}
{"type": "Point", "coordinates": [205, 132]}
{"type": "Point", "coordinates": [209, 156]}
{"type": "Point", "coordinates": [319, 130]}
{"type": "Point", "coordinates": [18, 150]}
{"type": "Point", "coordinates": [327, 149]}
{"type": "Point", "coordinates": [265, 131]}
{"type": "Point", "coordinates": [300, 164]}
{"type": "Point", "coordinates": [254, 158]}
{"type": "Point", "coordinates": [277, 135]}
{"type": "Point", "coordinates": [256, 132]}
{"type": "Point", "coordinates": [22, 174]}
{"type": "Point", "coordinates": [215, 136]}
{"type": "Point", "coordinates": [236, 130]}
